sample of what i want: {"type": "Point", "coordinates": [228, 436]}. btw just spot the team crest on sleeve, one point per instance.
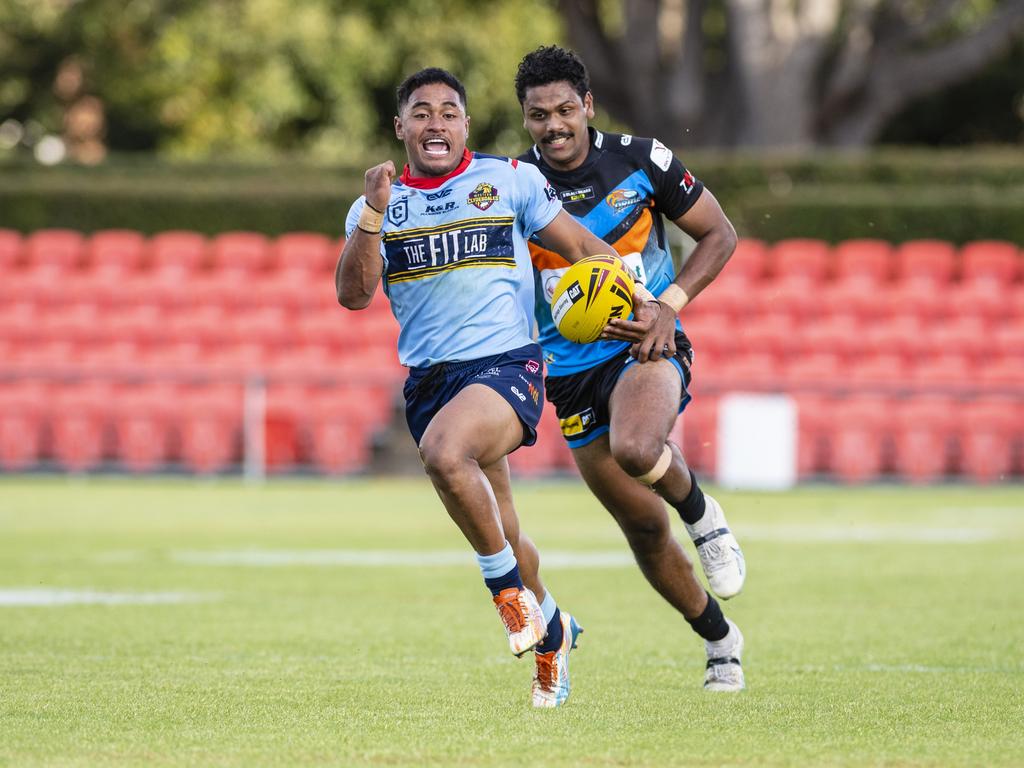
{"type": "Point", "coordinates": [484, 196]}
{"type": "Point", "coordinates": [661, 155]}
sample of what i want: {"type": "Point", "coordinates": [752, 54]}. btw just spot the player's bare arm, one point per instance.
{"type": "Point", "coordinates": [360, 266]}
{"type": "Point", "coordinates": [706, 223]}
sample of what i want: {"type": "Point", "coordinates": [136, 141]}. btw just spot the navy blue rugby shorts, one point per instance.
{"type": "Point", "coordinates": [581, 399]}
{"type": "Point", "coordinates": [516, 375]}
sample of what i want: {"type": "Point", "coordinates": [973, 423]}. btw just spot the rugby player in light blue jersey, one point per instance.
{"type": "Point", "coordinates": [448, 240]}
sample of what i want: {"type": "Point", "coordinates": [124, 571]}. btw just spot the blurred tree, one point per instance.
{"type": "Point", "coordinates": [781, 73]}
{"type": "Point", "coordinates": [253, 77]}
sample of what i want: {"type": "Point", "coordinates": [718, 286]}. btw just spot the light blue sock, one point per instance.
{"type": "Point", "coordinates": [548, 607]}
{"type": "Point", "coordinates": [498, 564]}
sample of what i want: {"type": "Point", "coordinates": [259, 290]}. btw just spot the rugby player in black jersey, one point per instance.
{"type": "Point", "coordinates": [617, 404]}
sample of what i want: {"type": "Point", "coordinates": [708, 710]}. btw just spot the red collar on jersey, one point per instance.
{"type": "Point", "coordinates": [432, 182]}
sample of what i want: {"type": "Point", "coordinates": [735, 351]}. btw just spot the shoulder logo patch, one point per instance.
{"type": "Point", "coordinates": [626, 140]}
{"type": "Point", "coordinates": [484, 196]}
{"type": "Point", "coordinates": [661, 155]}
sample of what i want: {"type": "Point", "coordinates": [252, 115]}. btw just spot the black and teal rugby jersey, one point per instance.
{"type": "Point", "coordinates": [621, 193]}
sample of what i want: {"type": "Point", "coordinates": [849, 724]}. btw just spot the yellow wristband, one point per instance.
{"type": "Point", "coordinates": [675, 297]}
{"type": "Point", "coordinates": [370, 220]}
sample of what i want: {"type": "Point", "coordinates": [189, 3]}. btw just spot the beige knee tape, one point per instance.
{"type": "Point", "coordinates": [659, 469]}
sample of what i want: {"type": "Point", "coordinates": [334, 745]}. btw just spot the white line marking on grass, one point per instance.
{"type": "Point", "coordinates": [389, 558]}
{"type": "Point", "coordinates": [49, 597]}
{"type": "Point", "coordinates": [866, 533]}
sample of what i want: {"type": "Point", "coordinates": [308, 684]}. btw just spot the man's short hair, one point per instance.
{"type": "Point", "coordinates": [551, 64]}
{"type": "Point", "coordinates": [429, 76]}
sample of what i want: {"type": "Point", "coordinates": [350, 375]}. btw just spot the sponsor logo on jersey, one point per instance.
{"type": "Point", "coordinates": [398, 211]}
{"type": "Point", "coordinates": [532, 366]}
{"type": "Point", "coordinates": [434, 210]}
{"type": "Point", "coordinates": [484, 196]}
{"type": "Point", "coordinates": [549, 192]}
{"type": "Point", "coordinates": [661, 155]}
{"type": "Point", "coordinates": [490, 373]}
{"type": "Point", "coordinates": [577, 423]}
{"type": "Point", "coordinates": [687, 182]}
{"type": "Point", "coordinates": [518, 394]}
{"type": "Point", "coordinates": [621, 199]}
{"type": "Point", "coordinates": [439, 195]}
{"type": "Point", "coordinates": [424, 251]}
{"type": "Point", "coordinates": [575, 195]}
{"type": "Point", "coordinates": [534, 392]}
{"type": "Point", "coordinates": [626, 140]}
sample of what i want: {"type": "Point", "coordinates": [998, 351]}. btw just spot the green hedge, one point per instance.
{"type": "Point", "coordinates": [900, 195]}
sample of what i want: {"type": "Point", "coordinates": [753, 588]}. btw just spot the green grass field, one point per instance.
{"type": "Point", "coordinates": [884, 626]}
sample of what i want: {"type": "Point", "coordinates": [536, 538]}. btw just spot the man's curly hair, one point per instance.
{"type": "Point", "coordinates": [551, 64]}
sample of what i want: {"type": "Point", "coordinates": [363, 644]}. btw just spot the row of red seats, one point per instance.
{"type": "Point", "coordinates": [83, 426]}
{"type": "Point", "coordinates": [875, 261]}
{"type": "Point", "coordinates": [248, 253]}
{"type": "Point", "coordinates": [867, 438]}
{"type": "Point", "coordinates": [126, 251]}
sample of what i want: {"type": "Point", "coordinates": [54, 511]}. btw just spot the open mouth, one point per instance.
{"type": "Point", "coordinates": [558, 140]}
{"type": "Point", "coordinates": [436, 147]}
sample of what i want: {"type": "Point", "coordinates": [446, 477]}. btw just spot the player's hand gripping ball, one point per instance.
{"type": "Point", "coordinates": [592, 291]}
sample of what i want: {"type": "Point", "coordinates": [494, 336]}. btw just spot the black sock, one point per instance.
{"type": "Point", "coordinates": [691, 509]}
{"type": "Point", "coordinates": [510, 579]}
{"type": "Point", "coordinates": [711, 624]}
{"type": "Point", "coordinates": [553, 640]}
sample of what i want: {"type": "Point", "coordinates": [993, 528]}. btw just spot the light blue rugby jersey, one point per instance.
{"type": "Point", "coordinates": [456, 263]}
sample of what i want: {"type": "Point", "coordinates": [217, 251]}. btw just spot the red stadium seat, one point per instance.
{"type": "Point", "coordinates": [700, 434]}
{"type": "Point", "coordinates": [987, 431]}
{"type": "Point", "coordinates": [59, 249]}
{"type": "Point", "coordinates": [903, 335]}
{"type": "Point", "coordinates": [865, 302]}
{"type": "Point", "coordinates": [814, 412]}
{"type": "Point", "coordinates": [548, 455]}
{"type": "Point", "coordinates": [241, 253]}
{"type": "Point", "coordinates": [11, 251]}
{"type": "Point", "coordinates": [341, 431]}
{"type": "Point", "coordinates": [928, 261]}
{"type": "Point", "coordinates": [856, 441]}
{"type": "Point", "coordinates": [983, 299]}
{"type": "Point", "coordinates": [115, 251]}
{"type": "Point", "coordinates": [306, 253]}
{"type": "Point", "coordinates": [1007, 340]}
{"type": "Point", "coordinates": [923, 438]}
{"type": "Point", "coordinates": [289, 290]}
{"type": "Point", "coordinates": [731, 298]}
{"type": "Point", "coordinates": [751, 372]}
{"type": "Point", "coordinates": [747, 265]}
{"type": "Point", "coordinates": [968, 336]}
{"type": "Point", "coordinates": [22, 405]}
{"type": "Point", "coordinates": [883, 372]}
{"type": "Point", "coordinates": [836, 335]}
{"type": "Point", "coordinates": [790, 296]}
{"type": "Point", "coordinates": [178, 252]}
{"type": "Point", "coordinates": [929, 301]}
{"type": "Point", "coordinates": [802, 259]}
{"type": "Point", "coordinates": [948, 373]}
{"type": "Point", "coordinates": [266, 327]}
{"type": "Point", "coordinates": [142, 419]}
{"type": "Point", "coordinates": [210, 428]}
{"type": "Point", "coordinates": [866, 259]}
{"type": "Point", "coordinates": [772, 334]}
{"type": "Point", "coordinates": [78, 424]}
{"type": "Point", "coordinates": [285, 431]}
{"type": "Point", "coordinates": [818, 372]}
{"type": "Point", "coordinates": [711, 335]}
{"type": "Point", "coordinates": [1002, 376]}
{"type": "Point", "coordinates": [990, 261]}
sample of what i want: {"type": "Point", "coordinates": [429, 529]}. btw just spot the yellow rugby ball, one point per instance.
{"type": "Point", "coordinates": [592, 291]}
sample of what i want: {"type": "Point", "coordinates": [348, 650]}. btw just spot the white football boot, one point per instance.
{"type": "Point", "coordinates": [523, 619]}
{"type": "Point", "coordinates": [724, 672]}
{"type": "Point", "coordinates": [720, 554]}
{"type": "Point", "coordinates": [550, 686]}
